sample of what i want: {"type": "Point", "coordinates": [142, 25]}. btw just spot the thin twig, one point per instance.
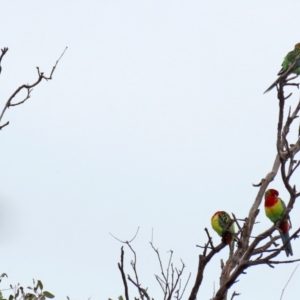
{"type": "Point", "coordinates": [234, 294]}
{"type": "Point", "coordinates": [142, 291]}
{"type": "Point", "coordinates": [3, 52]}
{"type": "Point", "coordinates": [126, 242]}
{"type": "Point", "coordinates": [185, 287]}
{"type": "Point", "coordinates": [288, 281]}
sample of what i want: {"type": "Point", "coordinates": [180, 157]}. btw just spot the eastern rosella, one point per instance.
{"type": "Point", "coordinates": [289, 59]}
{"type": "Point", "coordinates": [220, 222]}
{"type": "Point", "coordinates": [274, 208]}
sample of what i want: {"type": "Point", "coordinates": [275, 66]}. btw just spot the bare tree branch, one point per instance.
{"type": "Point", "coordinates": [5, 124]}
{"type": "Point", "coordinates": [167, 284]}
{"type": "Point", "coordinates": [121, 268]}
{"type": "Point", "coordinates": [27, 87]}
{"type": "Point", "coordinates": [142, 291]}
{"type": "Point", "coordinates": [204, 259]}
{"type": "Point", "coordinates": [126, 242]}
{"type": "Point", "coordinates": [3, 52]}
{"type": "Point", "coordinates": [234, 294]}
{"type": "Point", "coordinates": [288, 281]}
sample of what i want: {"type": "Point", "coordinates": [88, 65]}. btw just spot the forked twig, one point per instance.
{"type": "Point", "coordinates": [27, 87]}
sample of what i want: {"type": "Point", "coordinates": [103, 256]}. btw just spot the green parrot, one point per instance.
{"type": "Point", "coordinates": [220, 221]}
{"type": "Point", "coordinates": [288, 61]}
{"type": "Point", "coordinates": [274, 208]}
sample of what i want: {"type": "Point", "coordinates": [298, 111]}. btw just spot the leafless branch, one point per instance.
{"type": "Point", "coordinates": [133, 264]}
{"type": "Point", "coordinates": [170, 282]}
{"type": "Point", "coordinates": [27, 87]}
{"type": "Point", "coordinates": [288, 281]}
{"type": "Point", "coordinates": [5, 124]}
{"type": "Point", "coordinates": [121, 268]}
{"type": "Point", "coordinates": [234, 294]}
{"type": "Point", "coordinates": [3, 52]}
{"type": "Point", "coordinates": [204, 259]}
{"type": "Point", "coordinates": [180, 297]}
{"type": "Point", "coordinates": [126, 242]}
{"type": "Point", "coordinates": [142, 291]}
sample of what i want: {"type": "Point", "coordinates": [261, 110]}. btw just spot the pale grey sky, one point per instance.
{"type": "Point", "coordinates": [155, 118]}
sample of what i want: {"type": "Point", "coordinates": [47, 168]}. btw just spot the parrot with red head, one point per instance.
{"type": "Point", "coordinates": [274, 208]}
{"type": "Point", "coordinates": [220, 221]}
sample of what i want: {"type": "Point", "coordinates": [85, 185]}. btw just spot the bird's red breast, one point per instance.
{"type": "Point", "coordinates": [270, 201]}
{"type": "Point", "coordinates": [271, 197]}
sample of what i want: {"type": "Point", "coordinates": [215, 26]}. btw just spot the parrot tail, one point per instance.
{"type": "Point", "coordinates": [272, 85]}
{"type": "Point", "coordinates": [285, 240]}
{"type": "Point", "coordinates": [229, 240]}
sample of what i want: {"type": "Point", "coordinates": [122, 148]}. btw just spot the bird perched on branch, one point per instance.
{"type": "Point", "coordinates": [292, 61]}
{"type": "Point", "coordinates": [274, 208]}
{"type": "Point", "coordinates": [224, 226]}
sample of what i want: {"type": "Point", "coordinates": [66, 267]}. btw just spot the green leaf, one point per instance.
{"type": "Point", "coordinates": [39, 284]}
{"type": "Point", "coordinates": [120, 298]}
{"type": "Point", "coordinates": [48, 295]}
{"type": "Point", "coordinates": [32, 296]}
{"type": "Point", "coordinates": [29, 296]}
{"type": "Point", "coordinates": [11, 297]}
